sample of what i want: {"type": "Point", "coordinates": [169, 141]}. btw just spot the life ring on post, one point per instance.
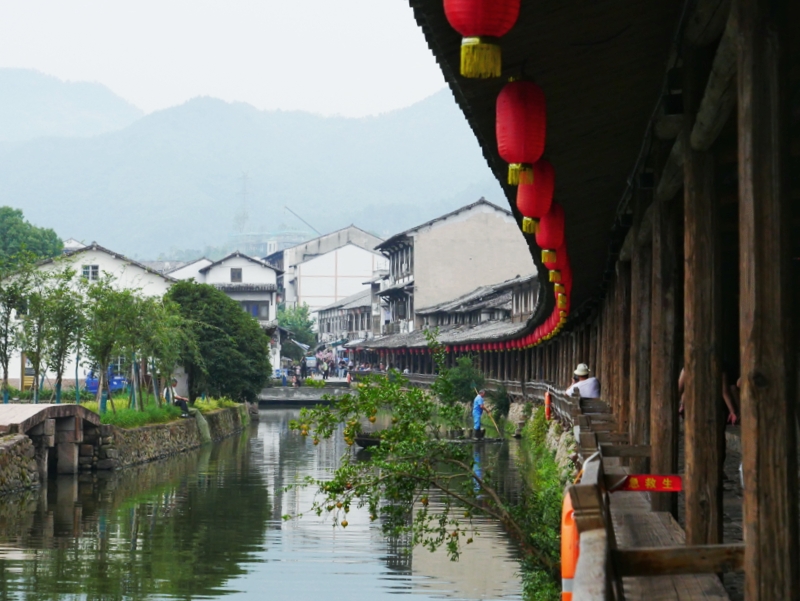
{"type": "Point", "coordinates": [569, 548]}
{"type": "Point", "coordinates": [547, 410]}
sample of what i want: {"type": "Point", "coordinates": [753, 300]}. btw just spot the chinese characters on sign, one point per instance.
{"type": "Point", "coordinates": [652, 483]}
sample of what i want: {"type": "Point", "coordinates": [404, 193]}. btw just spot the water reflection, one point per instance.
{"type": "Point", "coordinates": [209, 523]}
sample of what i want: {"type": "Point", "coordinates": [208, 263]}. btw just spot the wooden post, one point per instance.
{"type": "Point", "coordinates": [704, 435]}
{"type": "Point", "coordinates": [663, 354]}
{"type": "Point", "coordinates": [641, 287]}
{"type": "Point", "coordinates": [768, 422]}
{"type": "Point", "coordinates": [622, 358]}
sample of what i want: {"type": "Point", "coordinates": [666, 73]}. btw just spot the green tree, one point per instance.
{"type": "Point", "coordinates": [34, 325]}
{"type": "Point", "coordinates": [111, 322]}
{"type": "Point", "coordinates": [15, 276]}
{"type": "Point", "coordinates": [65, 319]}
{"type": "Point", "coordinates": [18, 235]}
{"type": "Point", "coordinates": [167, 336]}
{"type": "Point", "coordinates": [298, 321]}
{"type": "Point", "coordinates": [232, 353]}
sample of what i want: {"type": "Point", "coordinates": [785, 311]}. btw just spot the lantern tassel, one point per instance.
{"type": "Point", "coordinates": [520, 173]}
{"type": "Point", "coordinates": [480, 59]}
{"type": "Point", "coordinates": [529, 225]}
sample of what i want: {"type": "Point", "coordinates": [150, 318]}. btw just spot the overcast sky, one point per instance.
{"type": "Point", "coordinates": [348, 57]}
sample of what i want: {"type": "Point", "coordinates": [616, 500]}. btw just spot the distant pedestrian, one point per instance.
{"type": "Point", "coordinates": [325, 368]}
{"type": "Point", "coordinates": [179, 401]}
{"type": "Point", "coordinates": [478, 407]}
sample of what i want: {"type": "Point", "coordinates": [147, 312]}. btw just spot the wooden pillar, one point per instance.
{"type": "Point", "coordinates": [664, 428]}
{"type": "Point", "coordinates": [592, 344]}
{"type": "Point", "coordinates": [641, 287]}
{"type": "Point", "coordinates": [704, 433]}
{"type": "Point", "coordinates": [622, 357]}
{"type": "Point", "coordinates": [768, 422]}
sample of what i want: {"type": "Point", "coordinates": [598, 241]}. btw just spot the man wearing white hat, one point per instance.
{"type": "Point", "coordinates": [589, 387]}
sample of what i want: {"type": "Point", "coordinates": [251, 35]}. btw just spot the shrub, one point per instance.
{"type": "Point", "coordinates": [501, 402]}
{"type": "Point", "coordinates": [315, 383]}
{"type": "Point", "coordinates": [209, 405]}
{"type": "Point", "coordinates": [133, 418]}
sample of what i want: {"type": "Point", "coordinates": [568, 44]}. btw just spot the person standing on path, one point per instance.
{"type": "Point", "coordinates": [478, 407]}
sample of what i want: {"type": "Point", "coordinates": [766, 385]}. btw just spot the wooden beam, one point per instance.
{"type": "Point", "coordinates": [704, 438]}
{"type": "Point", "coordinates": [625, 450]}
{"type": "Point", "coordinates": [706, 21]}
{"type": "Point", "coordinates": [671, 178]}
{"type": "Point", "coordinates": [769, 447]}
{"type": "Point", "coordinates": [673, 561]}
{"type": "Point", "coordinates": [719, 97]}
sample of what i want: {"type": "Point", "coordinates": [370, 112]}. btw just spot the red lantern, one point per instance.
{"type": "Point", "coordinates": [550, 235]}
{"type": "Point", "coordinates": [477, 20]}
{"type": "Point", "coordinates": [520, 129]}
{"type": "Point", "coordinates": [535, 199]}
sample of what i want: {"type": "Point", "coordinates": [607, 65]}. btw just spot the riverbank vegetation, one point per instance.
{"type": "Point", "coordinates": [416, 461]}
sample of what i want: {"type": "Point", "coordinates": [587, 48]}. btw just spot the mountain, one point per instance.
{"type": "Point", "coordinates": [173, 179]}
{"type": "Point", "coordinates": [34, 105]}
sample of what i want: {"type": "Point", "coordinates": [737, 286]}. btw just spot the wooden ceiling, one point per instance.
{"type": "Point", "coordinates": [601, 64]}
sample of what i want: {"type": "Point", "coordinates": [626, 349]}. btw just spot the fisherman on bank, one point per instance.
{"type": "Point", "coordinates": [588, 387]}
{"type": "Point", "coordinates": [478, 407]}
{"type": "Point", "coordinates": [180, 401]}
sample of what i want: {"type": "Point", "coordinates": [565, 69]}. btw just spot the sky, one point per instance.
{"type": "Point", "coordinates": [345, 57]}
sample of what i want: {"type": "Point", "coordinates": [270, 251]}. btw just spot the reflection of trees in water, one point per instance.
{"type": "Point", "coordinates": [180, 527]}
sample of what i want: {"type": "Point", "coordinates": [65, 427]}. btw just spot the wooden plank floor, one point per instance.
{"type": "Point", "coordinates": [635, 525]}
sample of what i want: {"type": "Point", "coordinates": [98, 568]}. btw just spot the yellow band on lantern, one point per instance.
{"type": "Point", "coordinates": [530, 225]}
{"type": "Point", "coordinates": [562, 301]}
{"type": "Point", "coordinates": [548, 256]}
{"type": "Point", "coordinates": [562, 313]}
{"type": "Point", "coordinates": [480, 59]}
{"type": "Point", "coordinates": [559, 289]}
{"type": "Point", "coordinates": [555, 275]}
{"type": "Point", "coordinates": [520, 173]}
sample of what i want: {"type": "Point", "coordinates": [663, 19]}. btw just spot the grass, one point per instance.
{"type": "Point", "coordinates": [125, 417]}
{"type": "Point", "coordinates": [210, 405]}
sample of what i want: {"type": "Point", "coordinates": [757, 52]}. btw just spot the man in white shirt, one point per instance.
{"type": "Point", "coordinates": [588, 387]}
{"type": "Point", "coordinates": [179, 401]}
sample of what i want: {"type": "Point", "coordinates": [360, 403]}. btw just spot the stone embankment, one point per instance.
{"type": "Point", "coordinates": [114, 447]}
{"type": "Point", "coordinates": [18, 468]}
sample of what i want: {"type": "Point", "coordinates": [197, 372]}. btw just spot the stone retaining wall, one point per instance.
{"type": "Point", "coordinates": [18, 468]}
{"type": "Point", "coordinates": [114, 447]}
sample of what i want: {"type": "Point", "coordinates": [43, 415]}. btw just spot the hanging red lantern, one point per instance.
{"type": "Point", "coordinates": [535, 199]}
{"type": "Point", "coordinates": [551, 228]}
{"type": "Point", "coordinates": [478, 22]}
{"type": "Point", "coordinates": [520, 125]}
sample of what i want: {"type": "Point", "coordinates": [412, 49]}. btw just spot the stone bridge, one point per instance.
{"type": "Point", "coordinates": [57, 427]}
{"type": "Point", "coordinates": [289, 396]}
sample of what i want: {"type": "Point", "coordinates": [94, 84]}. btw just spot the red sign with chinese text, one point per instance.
{"type": "Point", "coordinates": [651, 483]}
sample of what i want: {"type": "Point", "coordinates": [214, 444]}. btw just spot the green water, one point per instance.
{"type": "Point", "coordinates": [207, 524]}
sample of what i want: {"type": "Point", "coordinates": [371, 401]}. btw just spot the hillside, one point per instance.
{"type": "Point", "coordinates": [34, 105]}
{"type": "Point", "coordinates": [173, 179]}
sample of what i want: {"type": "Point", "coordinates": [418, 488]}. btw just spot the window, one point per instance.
{"type": "Point", "coordinates": [236, 275]}
{"type": "Point", "coordinates": [258, 309]}
{"type": "Point", "coordinates": [91, 272]}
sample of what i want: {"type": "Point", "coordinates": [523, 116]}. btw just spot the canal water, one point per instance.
{"type": "Point", "coordinates": [208, 524]}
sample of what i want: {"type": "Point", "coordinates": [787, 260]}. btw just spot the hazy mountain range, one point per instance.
{"type": "Point", "coordinates": [77, 158]}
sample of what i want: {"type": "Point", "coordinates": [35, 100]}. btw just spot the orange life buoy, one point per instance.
{"type": "Point", "coordinates": [569, 548]}
{"type": "Point", "coordinates": [547, 410]}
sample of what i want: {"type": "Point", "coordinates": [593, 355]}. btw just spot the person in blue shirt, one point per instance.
{"type": "Point", "coordinates": [478, 407]}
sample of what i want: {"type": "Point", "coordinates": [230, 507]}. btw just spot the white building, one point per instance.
{"type": "Point", "coordinates": [251, 282]}
{"type": "Point", "coordinates": [330, 268]}
{"type": "Point", "coordinates": [92, 263]}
